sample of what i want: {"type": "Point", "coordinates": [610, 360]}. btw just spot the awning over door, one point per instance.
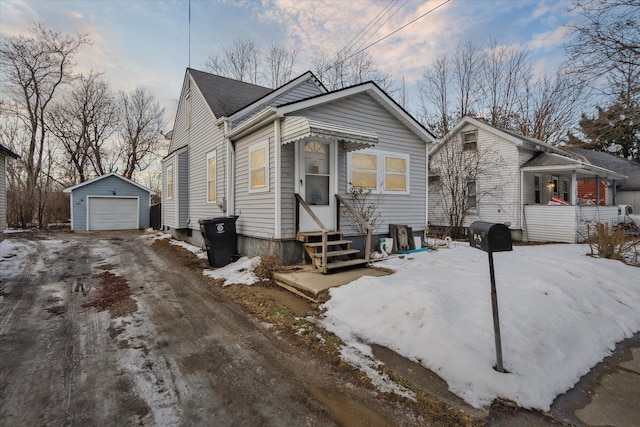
{"type": "Point", "coordinates": [295, 128]}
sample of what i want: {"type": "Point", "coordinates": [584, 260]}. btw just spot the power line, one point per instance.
{"type": "Point", "coordinates": [362, 32]}
{"type": "Point", "coordinates": [385, 21]}
{"type": "Point", "coordinates": [388, 35]}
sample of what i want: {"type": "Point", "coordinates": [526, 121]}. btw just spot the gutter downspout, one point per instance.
{"type": "Point", "coordinates": [521, 222]}
{"type": "Point", "coordinates": [231, 161]}
{"type": "Point", "coordinates": [278, 166]}
{"type": "Point", "coordinates": [426, 203]}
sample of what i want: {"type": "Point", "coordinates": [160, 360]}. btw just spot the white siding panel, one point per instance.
{"type": "Point", "coordinates": [288, 190]}
{"type": "Point", "coordinates": [3, 194]}
{"type": "Point", "coordinates": [256, 210]}
{"type": "Point", "coordinates": [588, 216]}
{"type": "Point", "coordinates": [204, 137]}
{"type": "Point", "coordinates": [544, 223]}
{"type": "Point", "coordinates": [631, 198]}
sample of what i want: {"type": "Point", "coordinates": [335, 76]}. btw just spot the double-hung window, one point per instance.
{"type": "Point", "coordinates": [211, 177]}
{"type": "Point", "coordinates": [170, 182]}
{"type": "Point", "coordinates": [470, 141]}
{"type": "Point", "coordinates": [471, 194]}
{"type": "Point", "coordinates": [381, 171]}
{"type": "Point", "coordinates": [259, 167]}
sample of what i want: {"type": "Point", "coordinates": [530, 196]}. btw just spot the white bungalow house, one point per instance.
{"type": "Point", "coordinates": [534, 185]}
{"type": "Point", "coordinates": [284, 161]}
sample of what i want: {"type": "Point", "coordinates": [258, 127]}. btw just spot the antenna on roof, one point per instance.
{"type": "Point", "coordinates": [614, 148]}
{"type": "Point", "coordinates": [189, 60]}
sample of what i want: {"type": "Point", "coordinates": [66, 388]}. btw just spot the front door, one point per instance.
{"type": "Point", "coordinates": [317, 170]}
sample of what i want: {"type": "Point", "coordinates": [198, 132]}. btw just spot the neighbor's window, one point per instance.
{"type": "Point", "coordinates": [565, 190]}
{"type": "Point", "coordinates": [211, 176]}
{"type": "Point", "coordinates": [258, 167]}
{"type": "Point", "coordinates": [470, 141]}
{"type": "Point", "coordinates": [537, 189]}
{"type": "Point", "coordinates": [364, 170]}
{"type": "Point", "coordinates": [378, 170]}
{"type": "Point", "coordinates": [170, 182]}
{"type": "Point", "coordinates": [471, 194]}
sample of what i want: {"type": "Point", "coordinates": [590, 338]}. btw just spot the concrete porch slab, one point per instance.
{"type": "Point", "coordinates": [309, 282]}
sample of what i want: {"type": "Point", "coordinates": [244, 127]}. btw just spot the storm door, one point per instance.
{"type": "Point", "coordinates": [317, 183]}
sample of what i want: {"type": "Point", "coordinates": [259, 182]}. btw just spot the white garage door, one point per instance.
{"type": "Point", "coordinates": [113, 213]}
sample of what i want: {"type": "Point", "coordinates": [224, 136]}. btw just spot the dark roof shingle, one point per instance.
{"type": "Point", "coordinates": [226, 96]}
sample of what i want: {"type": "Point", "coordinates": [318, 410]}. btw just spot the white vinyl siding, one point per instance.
{"type": "Point", "coordinates": [256, 210]}
{"type": "Point", "coordinates": [211, 177]}
{"type": "Point", "coordinates": [204, 137]}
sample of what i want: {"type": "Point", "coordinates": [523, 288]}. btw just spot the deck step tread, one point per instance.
{"type": "Point", "coordinates": [348, 263]}
{"type": "Point", "coordinates": [329, 243]}
{"type": "Point", "coordinates": [337, 253]}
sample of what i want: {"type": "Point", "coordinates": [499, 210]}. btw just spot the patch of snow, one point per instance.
{"type": "Point", "coordinates": [16, 231]}
{"type": "Point", "coordinates": [191, 248]}
{"type": "Point", "coordinates": [369, 367]}
{"type": "Point", "coordinates": [561, 312]}
{"type": "Point", "coordinates": [236, 273]}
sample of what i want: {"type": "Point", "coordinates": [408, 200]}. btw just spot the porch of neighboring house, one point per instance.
{"type": "Point", "coordinates": [554, 209]}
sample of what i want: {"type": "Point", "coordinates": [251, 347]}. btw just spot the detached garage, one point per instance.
{"type": "Point", "coordinates": [109, 202]}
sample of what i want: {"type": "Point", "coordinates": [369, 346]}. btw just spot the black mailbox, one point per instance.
{"type": "Point", "coordinates": [490, 237]}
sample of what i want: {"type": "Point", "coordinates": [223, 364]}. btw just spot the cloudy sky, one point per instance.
{"type": "Point", "coordinates": [146, 43]}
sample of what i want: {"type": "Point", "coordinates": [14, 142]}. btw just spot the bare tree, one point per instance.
{"type": "Point", "coordinates": [548, 109]}
{"type": "Point", "coordinates": [504, 73]}
{"type": "Point", "coordinates": [142, 122]}
{"type": "Point", "coordinates": [34, 68]}
{"type": "Point", "coordinates": [240, 61]}
{"type": "Point", "coordinates": [466, 63]}
{"type": "Point", "coordinates": [460, 180]}
{"type": "Point", "coordinates": [337, 71]}
{"type": "Point", "coordinates": [280, 63]}
{"type": "Point", "coordinates": [83, 123]}
{"type": "Point", "coordinates": [433, 91]}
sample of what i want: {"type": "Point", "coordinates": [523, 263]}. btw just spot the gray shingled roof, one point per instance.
{"type": "Point", "coordinates": [226, 96]}
{"type": "Point", "coordinates": [614, 163]}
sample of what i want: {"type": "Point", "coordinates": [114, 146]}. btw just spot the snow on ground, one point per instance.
{"type": "Point", "coordinates": [561, 312]}
{"type": "Point", "coordinates": [194, 249]}
{"type": "Point", "coordinates": [239, 272]}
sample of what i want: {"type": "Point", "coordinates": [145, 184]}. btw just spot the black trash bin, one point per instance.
{"type": "Point", "coordinates": [220, 239]}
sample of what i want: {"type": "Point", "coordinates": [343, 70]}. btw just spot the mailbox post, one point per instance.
{"type": "Point", "coordinates": [492, 238]}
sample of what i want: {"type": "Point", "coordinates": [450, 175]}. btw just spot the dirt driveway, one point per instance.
{"type": "Point", "coordinates": [186, 356]}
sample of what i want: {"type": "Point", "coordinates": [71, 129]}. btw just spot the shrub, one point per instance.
{"type": "Point", "coordinates": [613, 243]}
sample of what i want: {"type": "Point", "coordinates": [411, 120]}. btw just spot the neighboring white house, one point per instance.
{"type": "Point", "coordinates": [5, 154]}
{"type": "Point", "coordinates": [278, 158]}
{"type": "Point", "coordinates": [525, 179]}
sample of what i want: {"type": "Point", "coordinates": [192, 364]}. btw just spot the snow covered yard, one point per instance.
{"type": "Point", "coordinates": [561, 312]}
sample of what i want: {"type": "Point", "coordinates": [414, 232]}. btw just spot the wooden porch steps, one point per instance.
{"type": "Point", "coordinates": [339, 253]}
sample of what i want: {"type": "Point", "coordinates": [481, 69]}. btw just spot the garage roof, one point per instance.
{"type": "Point", "coordinates": [82, 184]}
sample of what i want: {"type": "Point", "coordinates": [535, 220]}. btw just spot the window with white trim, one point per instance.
{"type": "Point", "coordinates": [472, 201]}
{"type": "Point", "coordinates": [170, 182]}
{"type": "Point", "coordinates": [379, 171]}
{"type": "Point", "coordinates": [470, 141]}
{"type": "Point", "coordinates": [259, 167]}
{"type": "Point", "coordinates": [211, 177]}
